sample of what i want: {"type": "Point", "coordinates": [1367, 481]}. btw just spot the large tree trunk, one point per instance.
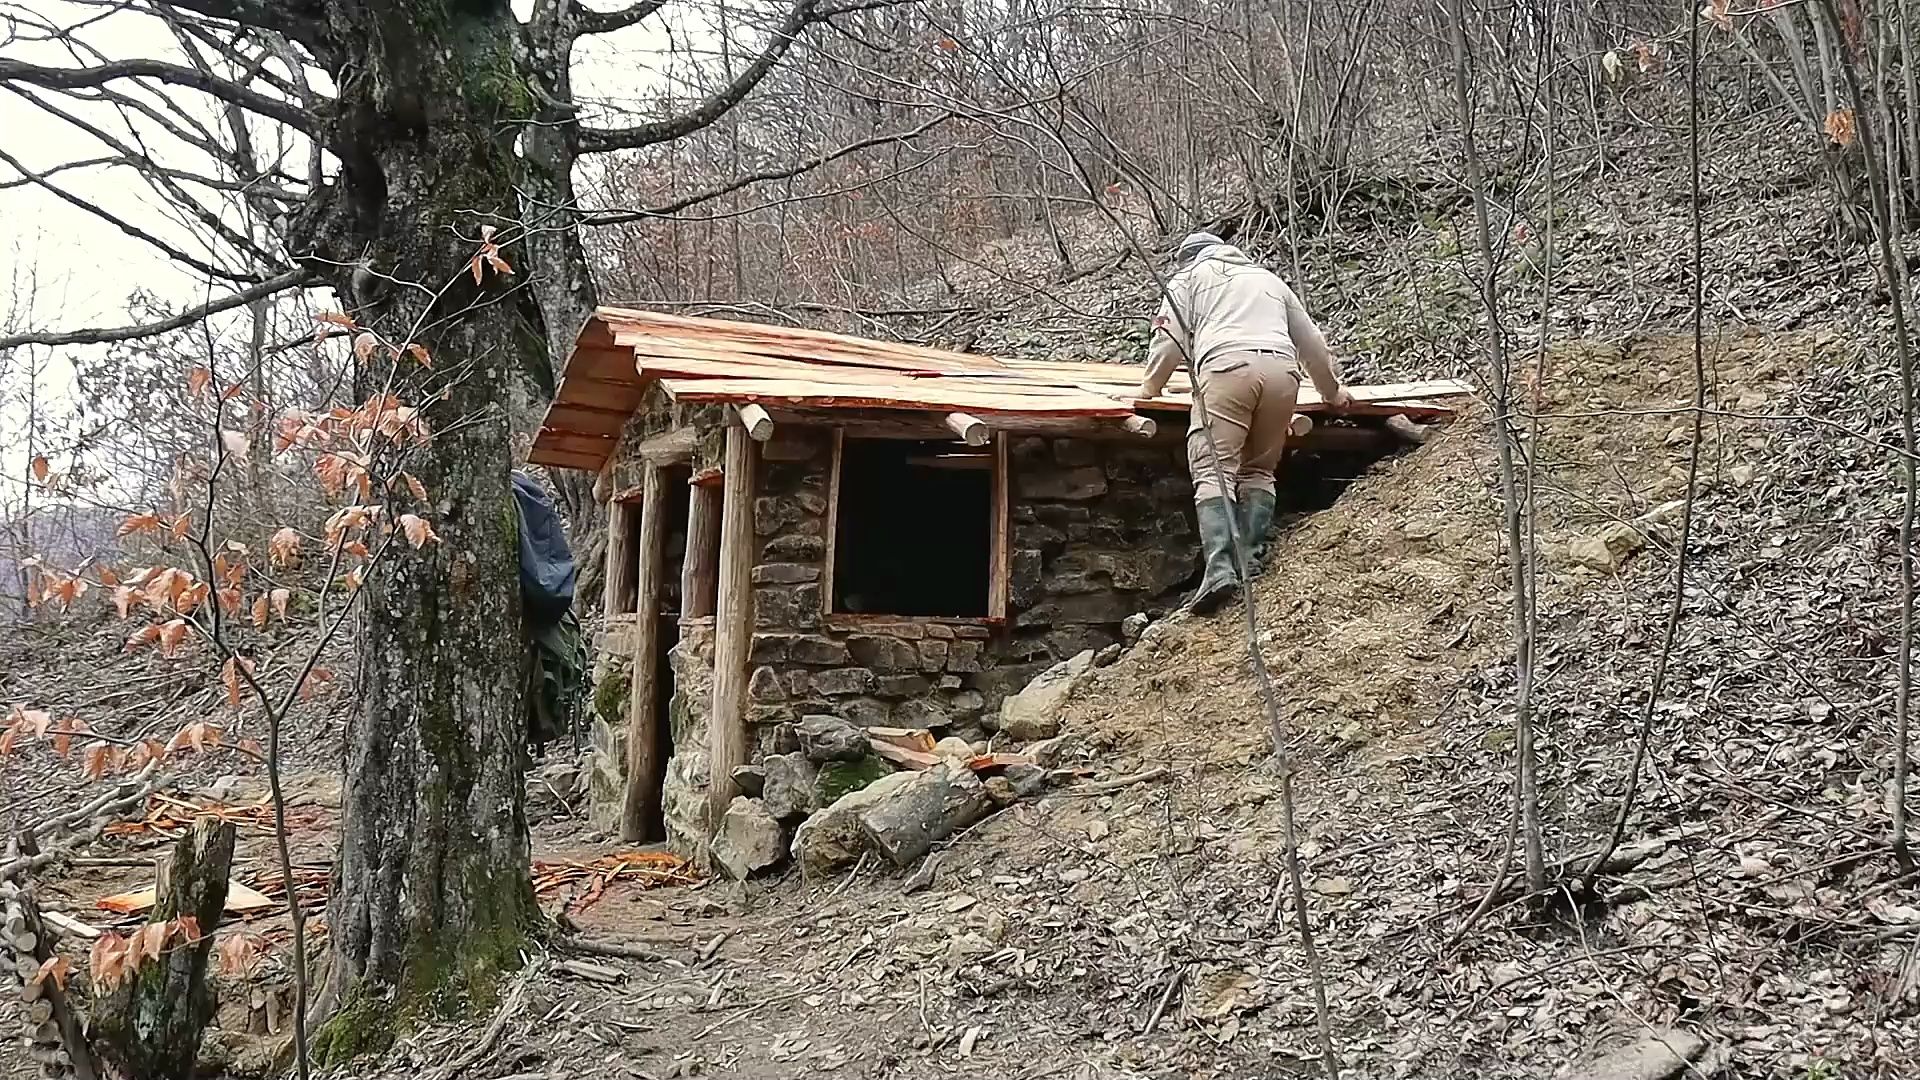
{"type": "Point", "coordinates": [431, 892]}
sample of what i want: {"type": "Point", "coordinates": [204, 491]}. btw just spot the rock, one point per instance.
{"type": "Point", "coordinates": [788, 787]}
{"type": "Point", "coordinates": [1069, 485]}
{"type": "Point", "coordinates": [1000, 790]}
{"type": "Point", "coordinates": [748, 839]}
{"type": "Point", "coordinates": [785, 739]}
{"type": "Point", "coordinates": [764, 685]}
{"type": "Point", "coordinates": [954, 748]}
{"type": "Point", "coordinates": [1607, 550]}
{"type": "Point", "coordinates": [901, 686]}
{"type": "Point", "coordinates": [750, 779]}
{"type": "Point", "coordinates": [1027, 781]}
{"type": "Point", "coordinates": [1059, 751]}
{"type": "Point", "coordinates": [921, 712]}
{"type": "Point", "coordinates": [784, 574]}
{"type": "Point", "coordinates": [812, 649]}
{"type": "Point", "coordinates": [830, 738]}
{"type": "Point", "coordinates": [1034, 713]}
{"type": "Point", "coordinates": [837, 778]}
{"type": "Point", "coordinates": [840, 682]}
{"type": "Point", "coordinates": [832, 837]}
{"type": "Point", "coordinates": [882, 653]}
{"type": "Point", "coordinates": [1656, 1055]}
{"type": "Point", "coordinates": [1107, 656]}
{"type": "Point", "coordinates": [905, 819]}
{"type": "Point", "coordinates": [797, 547]}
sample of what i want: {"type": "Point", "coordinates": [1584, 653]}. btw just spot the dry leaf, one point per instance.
{"type": "Point", "coordinates": [180, 526]}
{"type": "Point", "coordinates": [280, 598]}
{"type": "Point", "coordinates": [334, 318]}
{"type": "Point", "coordinates": [108, 577]}
{"type": "Point", "coordinates": [41, 468]}
{"type": "Point", "coordinates": [284, 547]}
{"type": "Point", "coordinates": [363, 344]}
{"type": "Point", "coordinates": [1840, 126]}
{"type": "Point", "coordinates": [237, 954]}
{"type": "Point", "coordinates": [97, 759]}
{"type": "Point", "coordinates": [419, 352]}
{"type": "Point", "coordinates": [197, 380]}
{"type": "Point", "coordinates": [230, 678]}
{"type": "Point", "coordinates": [235, 443]}
{"type": "Point", "coordinates": [138, 523]}
{"type": "Point", "coordinates": [260, 612]}
{"type": "Point", "coordinates": [146, 635]}
{"type": "Point", "coordinates": [55, 968]}
{"type": "Point", "coordinates": [172, 633]}
{"type": "Point", "coordinates": [314, 682]}
{"type": "Point", "coordinates": [419, 533]}
{"type": "Point", "coordinates": [230, 600]}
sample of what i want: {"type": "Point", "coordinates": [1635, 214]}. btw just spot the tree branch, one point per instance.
{"type": "Point", "coordinates": [73, 78]}
{"type": "Point", "coordinates": [299, 20]}
{"type": "Point", "coordinates": [803, 14]}
{"type": "Point", "coordinates": [781, 172]}
{"type": "Point", "coordinates": [588, 21]}
{"type": "Point", "coordinates": [125, 226]}
{"type": "Point", "coordinates": [292, 279]}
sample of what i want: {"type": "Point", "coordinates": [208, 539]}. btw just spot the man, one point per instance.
{"type": "Point", "coordinates": [1247, 337]}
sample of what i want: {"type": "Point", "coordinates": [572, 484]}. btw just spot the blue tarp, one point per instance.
{"type": "Point", "coordinates": [546, 562]}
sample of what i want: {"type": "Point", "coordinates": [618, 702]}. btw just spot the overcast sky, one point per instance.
{"type": "Point", "coordinates": [65, 268]}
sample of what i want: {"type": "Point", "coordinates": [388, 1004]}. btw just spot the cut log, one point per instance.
{"type": "Point", "coordinates": [972, 430]}
{"type": "Point", "coordinates": [699, 571]}
{"type": "Point", "coordinates": [646, 766]}
{"type": "Point", "coordinates": [1300, 425]}
{"type": "Point", "coordinates": [756, 421]}
{"type": "Point", "coordinates": [1143, 426]}
{"type": "Point", "coordinates": [1408, 431]}
{"type": "Point", "coordinates": [150, 1024]}
{"type": "Point", "coordinates": [733, 626]}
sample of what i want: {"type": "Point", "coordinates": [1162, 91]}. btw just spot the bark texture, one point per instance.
{"type": "Point", "coordinates": [431, 894]}
{"type": "Point", "coordinates": [150, 1025]}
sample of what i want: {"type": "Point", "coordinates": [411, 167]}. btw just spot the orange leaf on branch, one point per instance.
{"type": "Point", "coordinates": [54, 969]}
{"type": "Point", "coordinates": [231, 678]}
{"type": "Point", "coordinates": [284, 548]}
{"type": "Point", "coordinates": [172, 633]}
{"type": "Point", "coordinates": [1840, 127]}
{"type": "Point", "coordinates": [419, 532]}
{"type": "Point", "coordinates": [260, 612]}
{"type": "Point", "coordinates": [139, 523]}
{"type": "Point", "coordinates": [230, 600]}
{"type": "Point", "coordinates": [197, 380]}
{"type": "Point", "coordinates": [41, 469]}
{"type": "Point", "coordinates": [98, 758]}
{"type": "Point", "coordinates": [280, 598]}
{"type": "Point", "coordinates": [198, 735]}
{"type": "Point", "coordinates": [146, 635]}
{"type": "Point", "coordinates": [316, 679]}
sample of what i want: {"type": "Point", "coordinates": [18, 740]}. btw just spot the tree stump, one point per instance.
{"type": "Point", "coordinates": [150, 1025]}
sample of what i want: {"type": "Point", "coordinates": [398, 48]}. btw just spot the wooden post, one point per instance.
{"type": "Point", "coordinates": [971, 429]}
{"type": "Point", "coordinates": [757, 422]}
{"type": "Point", "coordinates": [639, 817]}
{"type": "Point", "coordinates": [733, 626]}
{"type": "Point", "coordinates": [619, 558]}
{"type": "Point", "coordinates": [703, 552]}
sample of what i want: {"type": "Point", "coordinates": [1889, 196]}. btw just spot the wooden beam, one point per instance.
{"type": "Point", "coordinates": [756, 421]}
{"type": "Point", "coordinates": [1143, 426]}
{"type": "Point", "coordinates": [971, 429]}
{"type": "Point", "coordinates": [1000, 552]}
{"type": "Point", "coordinates": [698, 574]}
{"type": "Point", "coordinates": [833, 521]}
{"type": "Point", "coordinates": [670, 448]}
{"type": "Point", "coordinates": [640, 814]}
{"type": "Point", "coordinates": [733, 625]}
{"type": "Point", "coordinates": [621, 518]}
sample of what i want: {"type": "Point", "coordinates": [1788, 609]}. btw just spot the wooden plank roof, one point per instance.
{"type": "Point", "coordinates": [622, 350]}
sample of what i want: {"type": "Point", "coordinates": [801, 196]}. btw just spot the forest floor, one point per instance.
{"type": "Point", "coordinates": [1144, 931]}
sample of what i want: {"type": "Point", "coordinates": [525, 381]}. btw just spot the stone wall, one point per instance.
{"type": "Point", "coordinates": [1100, 530]}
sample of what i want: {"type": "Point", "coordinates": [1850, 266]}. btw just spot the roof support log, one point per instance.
{"type": "Point", "coordinates": [756, 421]}
{"type": "Point", "coordinates": [971, 429]}
{"type": "Point", "coordinates": [1143, 426]}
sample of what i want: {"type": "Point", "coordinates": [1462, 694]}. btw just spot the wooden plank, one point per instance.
{"type": "Point", "coordinates": [833, 520]}
{"type": "Point", "coordinates": [920, 394]}
{"type": "Point", "coordinates": [640, 813]}
{"type": "Point", "coordinates": [617, 598]}
{"type": "Point", "coordinates": [575, 443]}
{"type": "Point", "coordinates": [698, 574]}
{"type": "Point", "coordinates": [585, 419]}
{"type": "Point", "coordinates": [565, 459]}
{"type": "Point", "coordinates": [733, 625]}
{"type": "Point", "coordinates": [1000, 568]}
{"type": "Point", "coordinates": [629, 321]}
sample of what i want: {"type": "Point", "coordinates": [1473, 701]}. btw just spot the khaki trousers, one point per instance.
{"type": "Point", "coordinates": [1250, 399]}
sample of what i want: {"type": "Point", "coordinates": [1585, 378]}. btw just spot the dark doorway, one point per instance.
{"type": "Point", "coordinates": [914, 531]}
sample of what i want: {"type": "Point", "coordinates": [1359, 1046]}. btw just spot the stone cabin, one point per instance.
{"type": "Point", "coordinates": [802, 522]}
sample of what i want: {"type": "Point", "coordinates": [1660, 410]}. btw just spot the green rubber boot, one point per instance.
{"type": "Point", "coordinates": [1256, 520]}
{"type": "Point", "coordinates": [1219, 582]}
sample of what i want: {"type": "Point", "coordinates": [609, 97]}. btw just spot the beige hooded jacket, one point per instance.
{"type": "Point", "coordinates": [1228, 303]}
